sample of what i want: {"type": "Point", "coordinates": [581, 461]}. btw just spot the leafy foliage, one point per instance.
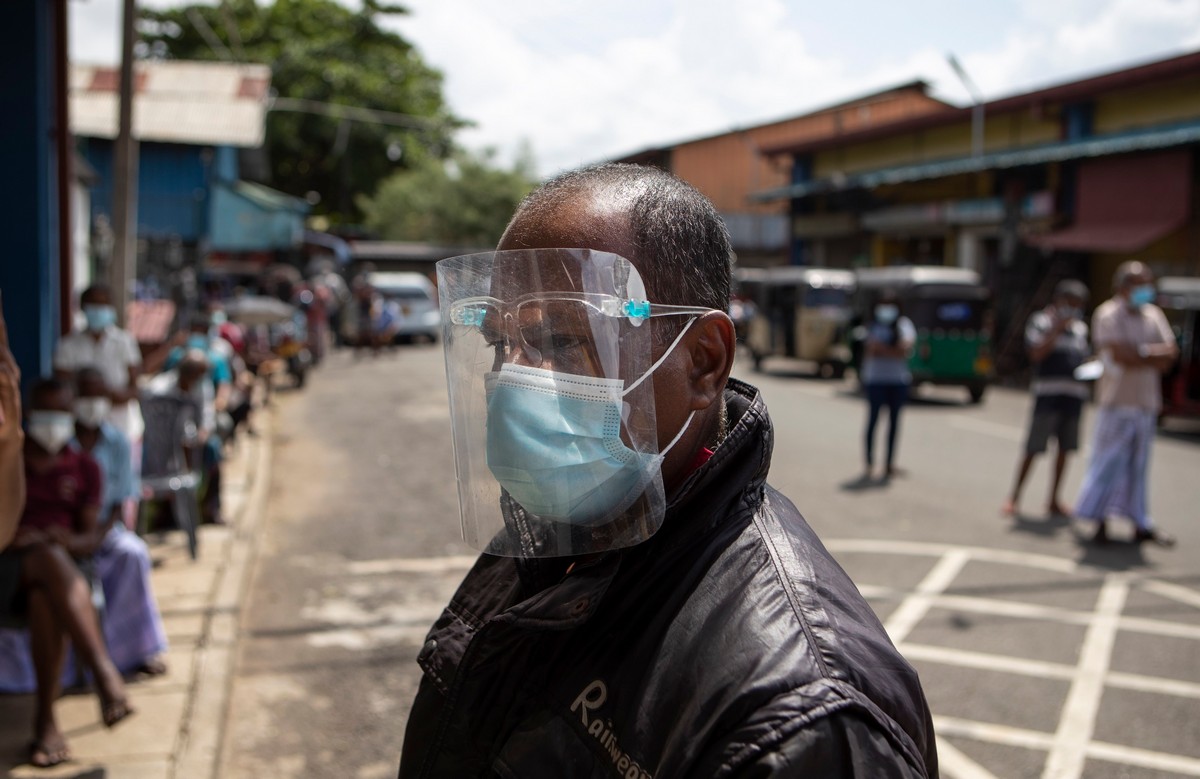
{"type": "Point", "coordinates": [466, 200]}
{"type": "Point", "coordinates": [323, 53]}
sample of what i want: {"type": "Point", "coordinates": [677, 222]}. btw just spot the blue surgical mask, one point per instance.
{"type": "Point", "coordinates": [99, 317]}
{"type": "Point", "coordinates": [554, 443]}
{"type": "Point", "coordinates": [1142, 294]}
{"type": "Point", "coordinates": [197, 341]}
{"type": "Point", "coordinates": [886, 313]}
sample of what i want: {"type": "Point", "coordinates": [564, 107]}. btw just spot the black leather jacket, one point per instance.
{"type": "Point", "coordinates": [730, 644]}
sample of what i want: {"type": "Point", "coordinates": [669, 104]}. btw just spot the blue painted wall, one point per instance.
{"type": "Point", "coordinates": [173, 186]}
{"type": "Point", "coordinates": [30, 260]}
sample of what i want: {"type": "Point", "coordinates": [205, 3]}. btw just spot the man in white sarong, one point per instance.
{"type": "Point", "coordinates": [1136, 343]}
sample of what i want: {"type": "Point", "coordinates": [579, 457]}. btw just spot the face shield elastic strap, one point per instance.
{"type": "Point", "coordinates": [660, 360]}
{"type": "Point", "coordinates": [654, 367]}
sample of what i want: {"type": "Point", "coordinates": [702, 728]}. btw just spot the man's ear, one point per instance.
{"type": "Point", "coordinates": [712, 347]}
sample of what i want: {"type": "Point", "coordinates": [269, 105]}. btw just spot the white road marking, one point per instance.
{"type": "Point", "coordinates": [1160, 627]}
{"type": "Point", "coordinates": [1155, 684]}
{"type": "Point", "coordinates": [1012, 608]}
{"type": "Point", "coordinates": [1042, 669]}
{"type": "Point", "coordinates": [1078, 719]}
{"type": "Point", "coordinates": [1144, 758]}
{"type": "Point", "coordinates": [914, 608]}
{"type": "Point", "coordinates": [451, 564]}
{"type": "Point", "coordinates": [1031, 739]}
{"type": "Point", "coordinates": [953, 763]}
{"type": "Point", "coordinates": [978, 553]}
{"type": "Point", "coordinates": [992, 733]}
{"type": "Point", "coordinates": [1017, 609]}
{"type": "Point", "coordinates": [1173, 592]}
{"type": "Point", "coordinates": [986, 662]}
{"type": "Point", "coordinates": [1007, 432]}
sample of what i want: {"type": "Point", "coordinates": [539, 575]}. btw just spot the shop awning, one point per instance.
{"type": "Point", "coordinates": [1084, 148]}
{"type": "Point", "coordinates": [248, 217]}
{"type": "Point", "coordinates": [1124, 204]}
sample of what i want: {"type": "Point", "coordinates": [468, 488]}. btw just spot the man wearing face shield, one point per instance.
{"type": "Point", "coordinates": [646, 606]}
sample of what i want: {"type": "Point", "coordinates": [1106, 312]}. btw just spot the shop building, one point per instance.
{"type": "Point", "coordinates": [728, 167]}
{"type": "Point", "coordinates": [1064, 181]}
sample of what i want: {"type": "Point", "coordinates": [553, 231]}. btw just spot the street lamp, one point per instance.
{"type": "Point", "coordinates": [976, 109]}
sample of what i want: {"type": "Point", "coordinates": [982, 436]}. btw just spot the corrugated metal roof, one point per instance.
{"type": "Point", "coordinates": [200, 103]}
{"type": "Point", "coordinates": [1141, 140]}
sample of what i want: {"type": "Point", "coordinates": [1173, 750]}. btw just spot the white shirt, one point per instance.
{"type": "Point", "coordinates": [113, 354]}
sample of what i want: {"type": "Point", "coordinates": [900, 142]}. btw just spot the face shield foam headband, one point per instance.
{"type": "Point", "coordinates": [554, 442]}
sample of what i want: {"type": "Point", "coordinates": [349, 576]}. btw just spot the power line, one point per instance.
{"type": "Point", "coordinates": [354, 113]}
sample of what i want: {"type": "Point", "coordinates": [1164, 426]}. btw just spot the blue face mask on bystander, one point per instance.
{"type": "Point", "coordinates": [1142, 294]}
{"type": "Point", "coordinates": [99, 317]}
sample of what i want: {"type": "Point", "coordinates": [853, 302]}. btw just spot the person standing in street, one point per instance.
{"type": "Point", "coordinates": [646, 605]}
{"type": "Point", "coordinates": [1137, 346]}
{"type": "Point", "coordinates": [1057, 342]}
{"type": "Point", "coordinates": [885, 376]}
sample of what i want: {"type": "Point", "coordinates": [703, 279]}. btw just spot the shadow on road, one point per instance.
{"type": "Point", "coordinates": [1115, 555]}
{"type": "Point", "coordinates": [864, 483]}
{"type": "Point", "coordinates": [1043, 526]}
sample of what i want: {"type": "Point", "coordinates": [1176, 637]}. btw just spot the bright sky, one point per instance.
{"type": "Point", "coordinates": [584, 81]}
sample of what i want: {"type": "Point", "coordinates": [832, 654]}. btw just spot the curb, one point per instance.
{"type": "Point", "coordinates": [201, 736]}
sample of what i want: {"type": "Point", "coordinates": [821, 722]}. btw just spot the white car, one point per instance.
{"type": "Point", "coordinates": [413, 300]}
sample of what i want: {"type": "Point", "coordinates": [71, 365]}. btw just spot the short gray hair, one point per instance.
{"type": "Point", "coordinates": [1127, 270]}
{"type": "Point", "coordinates": [685, 257]}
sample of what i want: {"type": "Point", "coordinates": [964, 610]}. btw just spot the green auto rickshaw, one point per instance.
{"type": "Point", "coordinates": [949, 308]}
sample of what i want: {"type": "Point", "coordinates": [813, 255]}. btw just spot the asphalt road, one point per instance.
{"type": "Point", "coordinates": [1041, 654]}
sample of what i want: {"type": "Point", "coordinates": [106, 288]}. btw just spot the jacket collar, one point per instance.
{"type": "Point", "coordinates": [700, 507]}
{"type": "Point", "coordinates": [744, 457]}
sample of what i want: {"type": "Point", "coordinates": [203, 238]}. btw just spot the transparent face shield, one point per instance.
{"type": "Point", "coordinates": [549, 356]}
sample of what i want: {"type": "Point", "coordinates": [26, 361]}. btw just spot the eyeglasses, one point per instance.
{"type": "Point", "coordinates": [560, 328]}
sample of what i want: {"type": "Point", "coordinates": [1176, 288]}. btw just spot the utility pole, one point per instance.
{"type": "Point", "coordinates": [976, 108]}
{"type": "Point", "coordinates": [125, 174]}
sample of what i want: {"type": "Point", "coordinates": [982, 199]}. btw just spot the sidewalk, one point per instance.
{"type": "Point", "coordinates": [177, 730]}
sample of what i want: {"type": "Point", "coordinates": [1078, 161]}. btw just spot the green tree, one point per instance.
{"type": "Point", "coordinates": [465, 200]}
{"type": "Point", "coordinates": [322, 55]}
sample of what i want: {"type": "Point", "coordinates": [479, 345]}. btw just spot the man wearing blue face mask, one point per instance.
{"type": "Point", "coordinates": [645, 604]}
{"type": "Point", "coordinates": [1137, 346]}
{"type": "Point", "coordinates": [103, 345]}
